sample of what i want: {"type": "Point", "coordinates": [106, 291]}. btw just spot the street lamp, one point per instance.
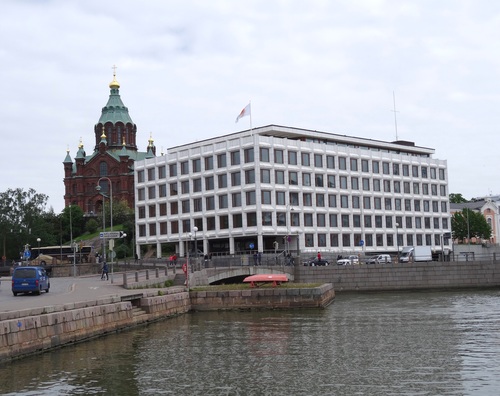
{"type": "Point", "coordinates": [397, 239]}
{"type": "Point", "coordinates": [98, 188]}
{"type": "Point", "coordinates": [38, 240]}
{"type": "Point", "coordinates": [195, 229]}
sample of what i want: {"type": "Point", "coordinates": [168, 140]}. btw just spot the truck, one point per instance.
{"type": "Point", "coordinates": [415, 253]}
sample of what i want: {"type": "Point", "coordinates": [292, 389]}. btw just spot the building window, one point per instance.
{"type": "Point", "coordinates": [141, 194]}
{"type": "Point", "coordinates": [140, 176]}
{"type": "Point", "coordinates": [173, 189]}
{"type": "Point", "coordinates": [209, 183]}
{"type": "Point", "coordinates": [210, 223]}
{"type": "Point", "coordinates": [364, 165]}
{"type": "Point", "coordinates": [344, 201]}
{"type": "Point", "coordinates": [292, 158]}
{"type": "Point", "coordinates": [330, 162]}
{"type": "Point", "coordinates": [174, 207]}
{"type": "Point", "coordinates": [197, 185]}
{"type": "Point", "coordinates": [209, 163]}
{"type": "Point", "coordinates": [197, 205]}
{"type": "Point", "coordinates": [280, 198]}
{"type": "Point", "coordinates": [103, 169]}
{"type": "Point", "coordinates": [318, 160]}
{"type": "Point", "coordinates": [172, 170]}
{"type": "Point", "coordinates": [333, 220]}
{"type": "Point", "coordinates": [279, 177]}
{"type": "Point", "coordinates": [223, 202]}
{"type": "Point", "coordinates": [235, 157]}
{"type": "Point", "coordinates": [185, 187]}
{"type": "Point", "coordinates": [250, 176]}
{"type": "Point", "coordinates": [395, 169]}
{"type": "Point", "coordinates": [354, 164]}
{"type": "Point", "coordinates": [210, 203]}
{"type": "Point", "coordinates": [221, 161]}
{"type": "Point", "coordinates": [236, 200]}
{"type": "Point", "coordinates": [320, 200]}
{"type": "Point", "coordinates": [142, 212]}
{"type": "Point", "coordinates": [152, 229]}
{"type": "Point", "coordinates": [265, 176]}
{"type": "Point", "coordinates": [355, 202]}
{"type": "Point", "coordinates": [346, 240]}
{"type": "Point", "coordinates": [163, 209]}
{"type": "Point", "coordinates": [343, 182]}
{"type": "Point", "coordinates": [307, 199]}
{"type": "Point", "coordinates": [306, 179]}
{"type": "Point", "coordinates": [367, 203]}
{"type": "Point", "coordinates": [305, 159]}
{"type": "Point", "coordinates": [406, 170]}
{"type": "Point", "coordinates": [185, 168]}
{"type": "Point", "coordinates": [250, 197]}
{"type": "Point", "coordinates": [278, 156]}
{"type": "Point", "coordinates": [293, 178]}
{"type": "Point", "coordinates": [332, 201]}
{"type": "Point", "coordinates": [309, 240]}
{"type": "Point", "coordinates": [197, 165]}
{"type": "Point", "coordinates": [264, 154]}
{"type": "Point", "coordinates": [251, 219]}
{"type": "Point", "coordinates": [375, 167]}
{"type": "Point", "coordinates": [368, 221]}
{"type": "Point", "coordinates": [248, 155]}
{"type": "Point", "coordinates": [237, 220]}
{"type": "Point", "coordinates": [354, 183]}
{"type": "Point", "coordinates": [224, 222]}
{"type": "Point", "coordinates": [222, 180]}
{"type": "Point", "coordinates": [162, 190]}
{"type": "Point", "coordinates": [236, 179]}
{"type": "Point", "coordinates": [319, 180]}
{"type": "Point", "coordinates": [331, 181]}
{"type": "Point", "coordinates": [334, 240]}
{"type": "Point", "coordinates": [322, 240]}
{"type": "Point", "coordinates": [414, 170]}
{"type": "Point", "coordinates": [342, 163]}
{"type": "Point", "coordinates": [308, 220]}
{"type": "Point", "coordinates": [267, 218]}
{"type": "Point", "coordinates": [376, 184]}
{"type": "Point", "coordinates": [295, 219]}
{"type": "Point", "coordinates": [266, 197]}
{"type": "Point", "coordinates": [356, 222]}
{"type": "Point", "coordinates": [186, 207]}
{"type": "Point", "coordinates": [152, 192]}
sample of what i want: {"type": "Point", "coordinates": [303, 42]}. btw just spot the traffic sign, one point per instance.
{"type": "Point", "coordinates": [111, 234]}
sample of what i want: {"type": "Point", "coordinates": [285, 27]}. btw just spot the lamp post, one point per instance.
{"type": "Point", "coordinates": [98, 188]}
{"type": "Point", "coordinates": [397, 239]}
{"type": "Point", "coordinates": [187, 260]}
{"type": "Point", "coordinates": [195, 229]}
{"type": "Point", "coordinates": [38, 255]}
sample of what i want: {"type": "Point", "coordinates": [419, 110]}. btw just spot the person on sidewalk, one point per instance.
{"type": "Point", "coordinates": [104, 271]}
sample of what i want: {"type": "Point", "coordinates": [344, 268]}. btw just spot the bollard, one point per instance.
{"type": "Point", "coordinates": [157, 273]}
{"type": "Point", "coordinates": [147, 274]}
{"type": "Point", "coordinates": [137, 276]}
{"type": "Point", "coordinates": [166, 270]}
{"type": "Point", "coordinates": [125, 284]}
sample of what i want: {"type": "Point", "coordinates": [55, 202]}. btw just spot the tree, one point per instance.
{"type": "Point", "coordinates": [469, 224]}
{"type": "Point", "coordinates": [21, 219]}
{"type": "Point", "coordinates": [457, 198]}
{"type": "Point", "coordinates": [72, 222]}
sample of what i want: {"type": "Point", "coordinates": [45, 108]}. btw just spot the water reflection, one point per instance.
{"type": "Point", "coordinates": [382, 343]}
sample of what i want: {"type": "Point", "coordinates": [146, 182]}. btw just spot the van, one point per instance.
{"type": "Point", "coordinates": [30, 280]}
{"type": "Point", "coordinates": [379, 259]}
{"type": "Point", "coordinates": [415, 253]}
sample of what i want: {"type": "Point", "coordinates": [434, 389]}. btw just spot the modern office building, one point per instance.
{"type": "Point", "coordinates": [291, 189]}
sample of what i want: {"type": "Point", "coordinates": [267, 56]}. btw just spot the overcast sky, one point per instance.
{"type": "Point", "coordinates": [187, 68]}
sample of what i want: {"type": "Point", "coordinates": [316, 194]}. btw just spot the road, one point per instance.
{"type": "Point", "coordinates": [62, 290]}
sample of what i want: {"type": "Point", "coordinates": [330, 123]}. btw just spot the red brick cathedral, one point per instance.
{"type": "Point", "coordinates": [112, 160]}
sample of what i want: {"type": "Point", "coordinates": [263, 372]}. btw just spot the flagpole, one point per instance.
{"type": "Point", "coordinates": [250, 103]}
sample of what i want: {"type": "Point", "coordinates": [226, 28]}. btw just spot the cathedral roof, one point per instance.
{"type": "Point", "coordinates": [115, 111]}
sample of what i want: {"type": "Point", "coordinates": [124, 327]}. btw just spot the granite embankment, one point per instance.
{"type": "Point", "coordinates": [34, 330]}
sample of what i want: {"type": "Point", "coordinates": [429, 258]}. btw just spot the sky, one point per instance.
{"type": "Point", "coordinates": [187, 68]}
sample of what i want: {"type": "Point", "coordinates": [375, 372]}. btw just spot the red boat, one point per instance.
{"type": "Point", "coordinates": [276, 279]}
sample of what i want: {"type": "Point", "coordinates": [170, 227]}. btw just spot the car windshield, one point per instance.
{"type": "Point", "coordinates": [25, 273]}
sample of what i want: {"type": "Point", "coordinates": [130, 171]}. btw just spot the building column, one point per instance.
{"type": "Point", "coordinates": [158, 250]}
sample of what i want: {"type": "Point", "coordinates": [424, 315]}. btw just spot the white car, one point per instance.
{"type": "Point", "coordinates": [353, 259]}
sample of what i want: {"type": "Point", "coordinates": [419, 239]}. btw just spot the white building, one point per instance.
{"type": "Point", "coordinates": [306, 190]}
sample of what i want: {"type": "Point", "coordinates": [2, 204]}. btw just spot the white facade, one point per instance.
{"type": "Point", "coordinates": [306, 190]}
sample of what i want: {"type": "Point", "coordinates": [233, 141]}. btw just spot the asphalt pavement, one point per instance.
{"type": "Point", "coordinates": [62, 291]}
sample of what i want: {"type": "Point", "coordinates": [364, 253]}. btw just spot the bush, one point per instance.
{"type": "Point", "coordinates": [91, 226]}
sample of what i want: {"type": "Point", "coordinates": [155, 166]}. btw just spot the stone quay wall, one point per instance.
{"type": "Point", "coordinates": [408, 276]}
{"type": "Point", "coordinates": [259, 298]}
{"type": "Point", "coordinates": [36, 330]}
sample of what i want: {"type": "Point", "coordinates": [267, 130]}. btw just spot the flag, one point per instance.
{"type": "Point", "coordinates": [245, 112]}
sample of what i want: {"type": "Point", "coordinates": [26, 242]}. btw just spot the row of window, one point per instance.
{"type": "Point", "coordinates": [331, 220]}
{"type": "Point", "coordinates": [222, 201]}
{"type": "Point", "coordinates": [318, 161]}
{"type": "Point", "coordinates": [343, 239]}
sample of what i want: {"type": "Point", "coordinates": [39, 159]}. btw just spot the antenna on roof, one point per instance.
{"type": "Point", "coordinates": [395, 111]}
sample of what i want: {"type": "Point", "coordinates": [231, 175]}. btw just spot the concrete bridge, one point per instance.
{"type": "Point", "coordinates": [221, 275]}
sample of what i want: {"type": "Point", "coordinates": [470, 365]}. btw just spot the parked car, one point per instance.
{"type": "Point", "coordinates": [379, 259]}
{"type": "Point", "coordinates": [30, 280]}
{"type": "Point", "coordinates": [352, 259]}
{"type": "Point", "coordinates": [314, 261]}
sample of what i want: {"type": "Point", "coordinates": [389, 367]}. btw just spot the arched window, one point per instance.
{"type": "Point", "coordinates": [103, 169]}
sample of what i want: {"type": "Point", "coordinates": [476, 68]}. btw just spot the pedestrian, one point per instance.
{"type": "Point", "coordinates": [319, 256]}
{"type": "Point", "coordinates": [259, 258]}
{"type": "Point", "coordinates": [255, 259]}
{"type": "Point", "coordinates": [104, 271]}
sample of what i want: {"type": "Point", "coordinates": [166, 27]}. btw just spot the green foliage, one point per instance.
{"type": "Point", "coordinates": [469, 224]}
{"type": "Point", "coordinates": [91, 226]}
{"type": "Point", "coordinates": [457, 198]}
{"type": "Point", "coordinates": [72, 222]}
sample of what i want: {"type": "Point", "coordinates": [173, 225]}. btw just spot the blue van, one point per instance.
{"type": "Point", "coordinates": [30, 280]}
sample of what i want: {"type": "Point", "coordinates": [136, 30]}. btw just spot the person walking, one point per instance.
{"type": "Point", "coordinates": [104, 271]}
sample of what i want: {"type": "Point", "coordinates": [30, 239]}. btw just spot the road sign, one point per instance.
{"type": "Point", "coordinates": [111, 234]}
